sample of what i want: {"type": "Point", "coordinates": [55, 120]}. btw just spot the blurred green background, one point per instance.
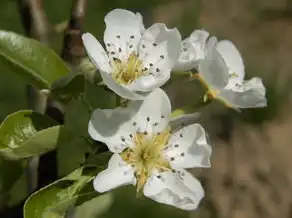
{"type": "Point", "coordinates": [251, 175]}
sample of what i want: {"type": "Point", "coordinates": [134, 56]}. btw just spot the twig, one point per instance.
{"type": "Point", "coordinates": [36, 26]}
{"type": "Point", "coordinates": [73, 49]}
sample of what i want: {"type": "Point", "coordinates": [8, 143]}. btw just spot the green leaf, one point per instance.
{"type": "Point", "coordinates": [97, 97]}
{"type": "Point", "coordinates": [78, 111]}
{"type": "Point", "coordinates": [35, 63]}
{"type": "Point", "coordinates": [71, 154]}
{"type": "Point", "coordinates": [68, 87]}
{"type": "Point", "coordinates": [27, 133]}
{"type": "Point", "coordinates": [10, 173]}
{"type": "Point", "coordinates": [18, 191]}
{"type": "Point", "coordinates": [55, 199]}
{"type": "Point", "coordinates": [77, 116]}
{"type": "Point", "coordinates": [90, 208]}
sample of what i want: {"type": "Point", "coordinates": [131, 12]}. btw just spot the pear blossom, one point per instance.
{"type": "Point", "coordinates": [222, 72]}
{"type": "Point", "coordinates": [149, 154]}
{"type": "Point", "coordinates": [194, 49]}
{"type": "Point", "coordinates": [135, 60]}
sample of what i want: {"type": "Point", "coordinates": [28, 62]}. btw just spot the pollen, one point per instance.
{"type": "Point", "coordinates": [125, 72]}
{"type": "Point", "coordinates": [147, 156]}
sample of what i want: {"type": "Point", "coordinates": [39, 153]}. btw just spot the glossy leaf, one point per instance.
{"type": "Point", "coordinates": [55, 199]}
{"type": "Point", "coordinates": [35, 63]}
{"type": "Point", "coordinates": [26, 133]}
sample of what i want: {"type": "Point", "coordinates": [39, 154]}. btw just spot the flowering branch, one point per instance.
{"type": "Point", "coordinates": [73, 49]}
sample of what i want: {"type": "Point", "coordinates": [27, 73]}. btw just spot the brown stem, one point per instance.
{"type": "Point", "coordinates": [73, 49]}
{"type": "Point", "coordinates": [39, 26]}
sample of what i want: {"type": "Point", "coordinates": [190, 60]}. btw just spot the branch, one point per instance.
{"type": "Point", "coordinates": [36, 26]}
{"type": "Point", "coordinates": [34, 19]}
{"type": "Point", "coordinates": [73, 49]}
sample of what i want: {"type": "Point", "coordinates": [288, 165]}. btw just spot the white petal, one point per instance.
{"type": "Point", "coordinates": [178, 189]}
{"type": "Point", "coordinates": [117, 174]}
{"type": "Point", "coordinates": [140, 18]}
{"type": "Point", "coordinates": [188, 148]}
{"type": "Point", "coordinates": [188, 58]}
{"type": "Point", "coordinates": [149, 82]}
{"type": "Point", "coordinates": [212, 41]}
{"type": "Point", "coordinates": [119, 89]}
{"type": "Point", "coordinates": [96, 52]}
{"type": "Point", "coordinates": [198, 39]}
{"type": "Point", "coordinates": [214, 70]}
{"type": "Point", "coordinates": [183, 120]}
{"type": "Point", "coordinates": [112, 127]}
{"type": "Point", "coordinates": [153, 113]}
{"type": "Point", "coordinates": [122, 33]}
{"type": "Point", "coordinates": [231, 57]}
{"type": "Point", "coordinates": [251, 94]}
{"type": "Point", "coordinates": [199, 36]}
{"type": "Point", "coordinates": [159, 49]}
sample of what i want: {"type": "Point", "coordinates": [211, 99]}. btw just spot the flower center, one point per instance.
{"type": "Point", "coordinates": [147, 155]}
{"type": "Point", "coordinates": [125, 72]}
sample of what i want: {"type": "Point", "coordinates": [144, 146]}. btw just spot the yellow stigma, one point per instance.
{"type": "Point", "coordinates": [147, 155]}
{"type": "Point", "coordinates": [125, 72]}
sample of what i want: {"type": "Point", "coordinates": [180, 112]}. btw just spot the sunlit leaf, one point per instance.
{"type": "Point", "coordinates": [37, 64]}
{"type": "Point", "coordinates": [55, 199]}
{"type": "Point", "coordinates": [26, 133]}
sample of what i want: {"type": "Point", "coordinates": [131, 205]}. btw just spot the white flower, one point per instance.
{"type": "Point", "coordinates": [222, 72]}
{"type": "Point", "coordinates": [148, 154]}
{"type": "Point", "coordinates": [193, 50]}
{"type": "Point", "coordinates": [136, 60]}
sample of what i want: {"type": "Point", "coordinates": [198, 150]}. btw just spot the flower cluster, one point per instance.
{"type": "Point", "coordinates": [151, 150]}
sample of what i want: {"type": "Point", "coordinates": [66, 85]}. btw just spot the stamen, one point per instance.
{"type": "Point", "coordinates": [128, 70]}
{"type": "Point", "coordinates": [147, 155]}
